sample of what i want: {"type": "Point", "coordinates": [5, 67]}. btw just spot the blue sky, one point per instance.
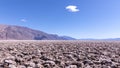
{"type": "Point", "coordinates": [76, 18]}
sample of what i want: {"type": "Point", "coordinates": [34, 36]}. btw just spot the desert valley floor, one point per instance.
{"type": "Point", "coordinates": [59, 54]}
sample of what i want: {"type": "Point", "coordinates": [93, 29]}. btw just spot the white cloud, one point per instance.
{"type": "Point", "coordinates": [72, 8]}
{"type": "Point", "coordinates": [23, 20]}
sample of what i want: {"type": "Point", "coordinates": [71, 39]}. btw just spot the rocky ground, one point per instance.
{"type": "Point", "coordinates": [59, 54]}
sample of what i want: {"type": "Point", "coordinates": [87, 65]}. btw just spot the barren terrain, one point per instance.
{"type": "Point", "coordinates": [59, 54]}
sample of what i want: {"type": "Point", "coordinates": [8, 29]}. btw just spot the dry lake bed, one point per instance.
{"type": "Point", "coordinates": [59, 54]}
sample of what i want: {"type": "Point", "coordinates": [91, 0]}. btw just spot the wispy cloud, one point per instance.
{"type": "Point", "coordinates": [23, 20]}
{"type": "Point", "coordinates": [72, 8]}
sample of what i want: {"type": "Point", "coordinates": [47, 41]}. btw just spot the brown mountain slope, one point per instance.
{"type": "Point", "coordinates": [9, 32]}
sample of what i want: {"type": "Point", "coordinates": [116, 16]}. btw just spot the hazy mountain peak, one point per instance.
{"type": "Point", "coordinates": [11, 32]}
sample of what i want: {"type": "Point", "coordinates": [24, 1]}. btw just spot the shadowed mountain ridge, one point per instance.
{"type": "Point", "coordinates": [11, 32]}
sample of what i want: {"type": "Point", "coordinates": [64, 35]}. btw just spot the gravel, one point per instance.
{"type": "Point", "coordinates": [59, 54]}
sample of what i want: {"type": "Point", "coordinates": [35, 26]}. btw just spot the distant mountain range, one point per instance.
{"type": "Point", "coordinates": [10, 32]}
{"type": "Point", "coordinates": [112, 39]}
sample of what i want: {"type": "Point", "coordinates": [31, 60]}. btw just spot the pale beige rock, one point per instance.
{"type": "Point", "coordinates": [12, 66]}
{"type": "Point", "coordinates": [59, 54]}
{"type": "Point", "coordinates": [71, 66]}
